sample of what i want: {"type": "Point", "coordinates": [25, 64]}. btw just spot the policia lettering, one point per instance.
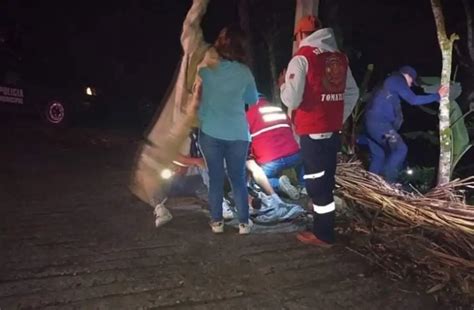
{"type": "Point", "coordinates": [11, 95]}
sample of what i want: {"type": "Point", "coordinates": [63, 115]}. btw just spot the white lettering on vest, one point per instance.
{"type": "Point", "coordinates": [332, 97]}
{"type": "Point", "coordinates": [318, 51]}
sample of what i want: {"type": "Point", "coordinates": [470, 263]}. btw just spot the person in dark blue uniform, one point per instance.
{"type": "Point", "coordinates": [383, 119]}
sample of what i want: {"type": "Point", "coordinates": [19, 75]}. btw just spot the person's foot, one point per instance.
{"type": "Point", "coordinates": [287, 188]}
{"type": "Point", "coordinates": [245, 229]}
{"type": "Point", "coordinates": [227, 212]}
{"type": "Point", "coordinates": [309, 238]}
{"type": "Point", "coordinates": [303, 191]}
{"type": "Point", "coordinates": [162, 215]}
{"type": "Point", "coordinates": [217, 227]}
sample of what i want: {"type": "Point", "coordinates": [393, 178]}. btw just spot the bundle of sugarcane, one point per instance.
{"type": "Point", "coordinates": [429, 236]}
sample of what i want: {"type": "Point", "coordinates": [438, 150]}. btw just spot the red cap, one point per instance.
{"type": "Point", "coordinates": [307, 23]}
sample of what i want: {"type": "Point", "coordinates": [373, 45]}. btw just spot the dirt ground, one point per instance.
{"type": "Point", "coordinates": [73, 237]}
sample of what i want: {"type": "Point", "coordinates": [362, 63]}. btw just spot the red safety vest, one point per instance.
{"type": "Point", "coordinates": [271, 132]}
{"type": "Point", "coordinates": [322, 107]}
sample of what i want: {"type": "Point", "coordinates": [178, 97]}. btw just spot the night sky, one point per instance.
{"type": "Point", "coordinates": [131, 48]}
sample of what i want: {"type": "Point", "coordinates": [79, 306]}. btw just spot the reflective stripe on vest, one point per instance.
{"type": "Point", "coordinates": [271, 114]}
{"type": "Point", "coordinates": [269, 128]}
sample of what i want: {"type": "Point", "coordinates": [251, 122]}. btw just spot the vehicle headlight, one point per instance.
{"type": "Point", "coordinates": [90, 91]}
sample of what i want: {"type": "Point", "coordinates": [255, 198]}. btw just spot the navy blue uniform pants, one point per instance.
{"type": "Point", "coordinates": [320, 160]}
{"type": "Point", "coordinates": [387, 150]}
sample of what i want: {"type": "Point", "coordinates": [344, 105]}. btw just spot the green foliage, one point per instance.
{"type": "Point", "coordinates": [421, 178]}
{"type": "Point", "coordinates": [458, 131]}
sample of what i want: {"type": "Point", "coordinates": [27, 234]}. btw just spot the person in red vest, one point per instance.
{"type": "Point", "coordinates": [274, 147]}
{"type": "Point", "coordinates": [319, 88]}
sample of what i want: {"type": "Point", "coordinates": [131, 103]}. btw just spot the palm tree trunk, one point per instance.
{"type": "Point", "coordinates": [446, 45]}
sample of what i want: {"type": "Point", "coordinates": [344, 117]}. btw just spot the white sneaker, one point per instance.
{"type": "Point", "coordinates": [217, 227]}
{"type": "Point", "coordinates": [227, 212]}
{"type": "Point", "coordinates": [162, 215]}
{"type": "Point", "coordinates": [245, 229]}
{"type": "Point", "coordinates": [303, 191]}
{"type": "Point", "coordinates": [288, 188]}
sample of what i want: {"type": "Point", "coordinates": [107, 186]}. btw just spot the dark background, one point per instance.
{"type": "Point", "coordinates": [130, 49]}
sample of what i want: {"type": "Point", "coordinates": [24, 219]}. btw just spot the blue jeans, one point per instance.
{"type": "Point", "coordinates": [274, 168]}
{"type": "Point", "coordinates": [387, 149]}
{"type": "Point", "coordinates": [234, 153]}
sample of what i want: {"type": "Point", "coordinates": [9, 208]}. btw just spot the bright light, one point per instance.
{"type": "Point", "coordinates": [89, 91]}
{"type": "Point", "coordinates": [410, 171]}
{"type": "Point", "coordinates": [166, 174]}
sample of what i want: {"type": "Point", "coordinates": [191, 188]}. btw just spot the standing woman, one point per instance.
{"type": "Point", "coordinates": [224, 134]}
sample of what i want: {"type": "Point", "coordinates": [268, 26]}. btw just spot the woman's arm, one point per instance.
{"type": "Point", "coordinates": [192, 36]}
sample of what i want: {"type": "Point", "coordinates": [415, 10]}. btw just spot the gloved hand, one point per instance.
{"type": "Point", "coordinates": [391, 138]}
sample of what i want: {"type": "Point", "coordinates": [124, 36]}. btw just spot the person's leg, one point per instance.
{"type": "Point", "coordinates": [295, 162]}
{"type": "Point", "coordinates": [320, 160]}
{"type": "Point", "coordinates": [272, 171]}
{"type": "Point", "coordinates": [235, 155]}
{"type": "Point", "coordinates": [162, 214]}
{"type": "Point", "coordinates": [398, 153]}
{"type": "Point", "coordinates": [377, 157]}
{"type": "Point", "coordinates": [377, 146]}
{"type": "Point", "coordinates": [213, 151]}
{"type": "Point", "coordinates": [186, 185]}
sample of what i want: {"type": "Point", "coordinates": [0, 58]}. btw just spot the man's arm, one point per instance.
{"type": "Point", "coordinates": [291, 92]}
{"type": "Point", "coordinates": [401, 87]}
{"type": "Point", "coordinates": [351, 94]}
{"type": "Point", "coordinates": [188, 161]}
{"type": "Point", "coordinates": [259, 176]}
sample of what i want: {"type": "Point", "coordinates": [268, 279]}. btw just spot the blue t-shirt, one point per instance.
{"type": "Point", "coordinates": [225, 91]}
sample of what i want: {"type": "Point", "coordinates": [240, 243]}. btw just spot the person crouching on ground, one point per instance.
{"type": "Point", "coordinates": [274, 147]}
{"type": "Point", "coordinates": [383, 119]}
{"type": "Point", "coordinates": [224, 134]}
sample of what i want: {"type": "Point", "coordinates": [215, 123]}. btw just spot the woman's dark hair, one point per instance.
{"type": "Point", "coordinates": [231, 44]}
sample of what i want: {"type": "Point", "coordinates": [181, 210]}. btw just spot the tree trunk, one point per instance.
{"type": "Point", "coordinates": [303, 8]}
{"type": "Point", "coordinates": [244, 9]}
{"type": "Point", "coordinates": [446, 45]}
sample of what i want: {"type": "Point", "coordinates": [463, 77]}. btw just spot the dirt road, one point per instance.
{"type": "Point", "coordinates": [73, 237]}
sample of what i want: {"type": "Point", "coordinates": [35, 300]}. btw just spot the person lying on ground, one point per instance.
{"type": "Point", "coordinates": [180, 184]}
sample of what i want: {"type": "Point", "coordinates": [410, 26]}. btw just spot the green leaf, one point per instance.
{"type": "Point", "coordinates": [457, 159]}
{"type": "Point", "coordinates": [459, 133]}
{"type": "Point", "coordinates": [431, 84]}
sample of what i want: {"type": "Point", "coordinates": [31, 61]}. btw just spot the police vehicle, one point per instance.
{"type": "Point", "coordinates": [56, 100]}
